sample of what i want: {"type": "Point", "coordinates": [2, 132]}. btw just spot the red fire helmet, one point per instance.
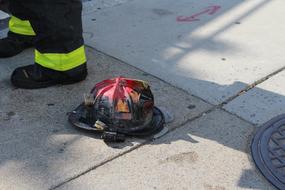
{"type": "Point", "coordinates": [121, 105]}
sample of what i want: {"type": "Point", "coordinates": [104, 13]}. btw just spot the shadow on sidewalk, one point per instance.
{"type": "Point", "coordinates": [35, 135]}
{"type": "Point", "coordinates": [36, 143]}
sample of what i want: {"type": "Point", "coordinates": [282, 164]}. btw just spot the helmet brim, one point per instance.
{"type": "Point", "coordinates": [155, 126]}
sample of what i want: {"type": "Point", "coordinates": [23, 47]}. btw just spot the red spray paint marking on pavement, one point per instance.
{"type": "Point", "coordinates": [209, 10]}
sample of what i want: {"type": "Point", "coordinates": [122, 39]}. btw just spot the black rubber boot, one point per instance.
{"type": "Point", "coordinates": [15, 44]}
{"type": "Point", "coordinates": [35, 76]}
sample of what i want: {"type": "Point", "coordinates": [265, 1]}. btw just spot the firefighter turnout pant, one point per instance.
{"type": "Point", "coordinates": [57, 28]}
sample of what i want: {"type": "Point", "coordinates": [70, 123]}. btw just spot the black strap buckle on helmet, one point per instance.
{"type": "Point", "coordinates": [84, 118]}
{"type": "Point", "coordinates": [109, 136]}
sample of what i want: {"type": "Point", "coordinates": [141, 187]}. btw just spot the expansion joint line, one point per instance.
{"type": "Point", "coordinates": [214, 107]}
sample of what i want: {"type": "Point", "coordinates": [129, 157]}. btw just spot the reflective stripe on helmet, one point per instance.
{"type": "Point", "coordinates": [61, 61]}
{"type": "Point", "coordinates": [22, 27]}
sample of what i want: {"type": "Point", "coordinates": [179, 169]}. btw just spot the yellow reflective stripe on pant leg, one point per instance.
{"type": "Point", "coordinates": [61, 61]}
{"type": "Point", "coordinates": [22, 27]}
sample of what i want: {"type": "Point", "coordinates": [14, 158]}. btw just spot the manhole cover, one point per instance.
{"type": "Point", "coordinates": [268, 151]}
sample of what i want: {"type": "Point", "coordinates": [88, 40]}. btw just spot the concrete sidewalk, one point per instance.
{"type": "Point", "coordinates": [219, 75]}
{"type": "Point", "coordinates": [41, 150]}
{"type": "Point", "coordinates": [209, 153]}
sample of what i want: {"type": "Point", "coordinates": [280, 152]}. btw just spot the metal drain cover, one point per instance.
{"type": "Point", "coordinates": [268, 151]}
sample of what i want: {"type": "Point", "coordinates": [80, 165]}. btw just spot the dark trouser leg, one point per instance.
{"type": "Point", "coordinates": [59, 54]}
{"type": "Point", "coordinates": [21, 34]}
{"type": "Point", "coordinates": [58, 26]}
{"type": "Point", "coordinates": [19, 23]}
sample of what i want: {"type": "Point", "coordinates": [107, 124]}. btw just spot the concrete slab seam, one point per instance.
{"type": "Point", "coordinates": [152, 140]}
{"type": "Point", "coordinates": [132, 149]}
{"type": "Point", "coordinates": [246, 89]}
{"type": "Point", "coordinates": [149, 140]}
{"type": "Point", "coordinates": [251, 86]}
{"type": "Point", "coordinates": [220, 106]}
